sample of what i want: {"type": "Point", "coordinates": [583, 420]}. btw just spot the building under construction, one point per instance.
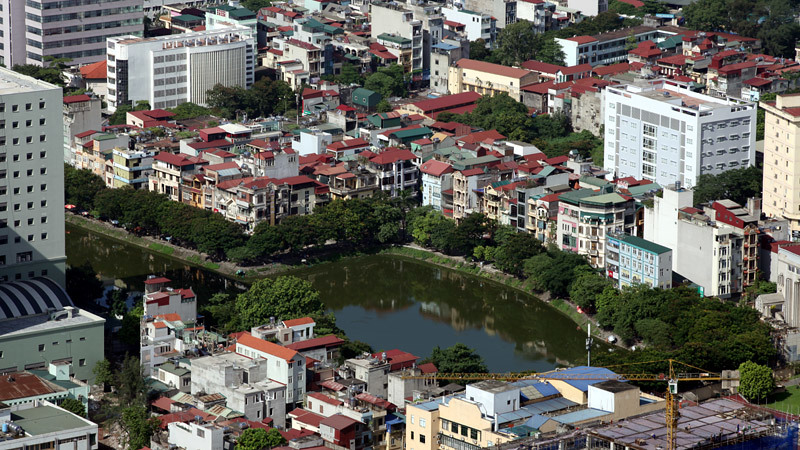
{"type": "Point", "coordinates": [720, 423]}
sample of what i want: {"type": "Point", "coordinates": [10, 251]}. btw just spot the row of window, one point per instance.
{"type": "Point", "coordinates": [28, 107]}
{"type": "Point", "coordinates": [16, 173]}
{"type": "Point", "coordinates": [28, 156]}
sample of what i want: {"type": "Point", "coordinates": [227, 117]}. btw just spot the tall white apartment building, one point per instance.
{"type": "Point", "coordinates": [31, 179]}
{"type": "Point", "coordinates": [169, 70]}
{"type": "Point", "coordinates": [663, 132]}
{"type": "Point", "coordinates": [30, 30]}
{"type": "Point", "coordinates": [395, 19]}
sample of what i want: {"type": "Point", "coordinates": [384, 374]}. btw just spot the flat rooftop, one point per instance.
{"type": "Point", "coordinates": [697, 426]}
{"type": "Point", "coordinates": [493, 386]}
{"type": "Point", "coordinates": [15, 83]}
{"type": "Point", "coordinates": [42, 322]}
{"type": "Point", "coordinates": [47, 419]}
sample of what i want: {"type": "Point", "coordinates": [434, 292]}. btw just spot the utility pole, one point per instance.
{"type": "Point", "coordinates": [589, 342]}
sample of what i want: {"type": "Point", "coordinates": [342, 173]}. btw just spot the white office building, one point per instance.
{"type": "Point", "coordinates": [31, 179]}
{"type": "Point", "coordinates": [661, 131]}
{"type": "Point", "coordinates": [32, 30]}
{"type": "Point", "coordinates": [169, 70]}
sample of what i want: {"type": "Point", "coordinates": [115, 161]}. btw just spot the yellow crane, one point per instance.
{"type": "Point", "coordinates": [671, 377]}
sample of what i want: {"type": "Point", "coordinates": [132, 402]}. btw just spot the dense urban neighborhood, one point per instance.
{"type": "Point", "coordinates": [399, 225]}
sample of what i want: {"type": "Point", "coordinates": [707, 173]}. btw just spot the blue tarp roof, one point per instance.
{"type": "Point", "coordinates": [554, 404]}
{"type": "Point", "coordinates": [601, 373]}
{"type": "Point", "coordinates": [444, 46]}
{"type": "Point", "coordinates": [537, 421]}
{"type": "Point", "coordinates": [580, 416]}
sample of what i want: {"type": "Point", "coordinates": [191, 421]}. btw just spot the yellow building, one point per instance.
{"type": "Point", "coordinates": [465, 427]}
{"type": "Point", "coordinates": [782, 159]}
{"type": "Point", "coordinates": [422, 424]}
{"type": "Point", "coordinates": [485, 78]}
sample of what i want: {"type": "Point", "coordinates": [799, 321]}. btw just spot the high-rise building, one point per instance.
{"type": "Point", "coordinates": [782, 159]}
{"type": "Point", "coordinates": [31, 179]}
{"type": "Point", "coordinates": [169, 70]}
{"type": "Point", "coordinates": [662, 131]}
{"type": "Point", "coordinates": [74, 29]}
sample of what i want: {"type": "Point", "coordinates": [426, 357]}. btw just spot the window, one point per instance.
{"type": "Point", "coordinates": [412, 435]}
{"type": "Point", "coordinates": [44, 203]}
{"type": "Point", "coordinates": [422, 422]}
{"type": "Point", "coordinates": [42, 121]}
{"type": "Point", "coordinates": [422, 438]}
{"type": "Point", "coordinates": [82, 339]}
{"type": "Point", "coordinates": [201, 433]}
{"type": "Point", "coordinates": [42, 154]}
{"type": "Point", "coordinates": [44, 235]}
{"type": "Point", "coordinates": [43, 171]}
{"type": "Point", "coordinates": [41, 347]}
{"type": "Point", "coordinates": [28, 107]}
{"type": "Point", "coordinates": [43, 187]}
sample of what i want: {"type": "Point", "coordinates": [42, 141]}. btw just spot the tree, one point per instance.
{"type": "Point", "coordinates": [479, 51]}
{"type": "Point", "coordinates": [117, 302]}
{"type": "Point", "coordinates": [511, 254]}
{"type": "Point", "coordinates": [81, 186]}
{"type": "Point", "coordinates": [52, 71]}
{"type": "Point", "coordinates": [284, 298]}
{"type": "Point", "coordinates": [275, 438]}
{"type": "Point", "coordinates": [254, 439]}
{"type": "Point", "coordinates": [256, 5]}
{"type": "Point", "coordinates": [119, 117]}
{"type": "Point", "coordinates": [587, 286]}
{"type": "Point", "coordinates": [516, 43]}
{"type": "Point", "coordinates": [351, 349]}
{"type": "Point", "coordinates": [220, 311]}
{"type": "Point", "coordinates": [550, 52]}
{"type": "Point", "coordinates": [755, 381]}
{"type": "Point", "coordinates": [189, 110]}
{"type": "Point", "coordinates": [130, 381]}
{"type": "Point", "coordinates": [383, 106]}
{"type": "Point", "coordinates": [103, 375]}
{"type": "Point", "coordinates": [129, 332]}
{"type": "Point", "coordinates": [631, 42]}
{"type": "Point", "coordinates": [138, 425]}
{"type": "Point", "coordinates": [737, 185]}
{"type": "Point", "coordinates": [74, 406]}
{"type": "Point", "coordinates": [457, 359]}
{"type": "Point", "coordinates": [389, 81]}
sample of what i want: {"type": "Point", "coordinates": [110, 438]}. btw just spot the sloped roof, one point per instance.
{"type": "Point", "coordinates": [95, 71]}
{"type": "Point", "coordinates": [496, 69]}
{"type": "Point", "coordinates": [300, 321]}
{"type": "Point", "coordinates": [436, 168]}
{"type": "Point", "coordinates": [31, 297]}
{"type": "Point", "coordinates": [267, 347]}
{"type": "Point", "coordinates": [447, 101]}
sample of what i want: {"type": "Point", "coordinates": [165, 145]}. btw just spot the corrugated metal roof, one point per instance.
{"type": "Point", "coordinates": [580, 416]}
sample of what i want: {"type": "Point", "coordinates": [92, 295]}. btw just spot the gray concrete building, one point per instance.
{"type": "Point", "coordinates": [33, 30]}
{"type": "Point", "coordinates": [244, 383]}
{"type": "Point", "coordinates": [39, 326]}
{"type": "Point", "coordinates": [373, 371]}
{"type": "Point", "coordinates": [505, 11]}
{"type": "Point", "coordinates": [31, 179]}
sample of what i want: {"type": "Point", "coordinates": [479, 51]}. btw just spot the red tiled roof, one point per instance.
{"type": "Point", "coordinates": [348, 144]}
{"type": "Point", "coordinates": [758, 82]}
{"type": "Point", "coordinates": [577, 69]}
{"type": "Point", "coordinates": [550, 198]}
{"type": "Point", "coordinates": [481, 136]}
{"type": "Point", "coordinates": [163, 403]}
{"type": "Point", "coordinates": [496, 69]}
{"type": "Point", "coordinates": [634, 3]}
{"type": "Point", "coordinates": [612, 69]}
{"type": "Point", "coordinates": [675, 60]}
{"type": "Point", "coordinates": [338, 422]}
{"type": "Point", "coordinates": [159, 325]}
{"type": "Point", "coordinates": [180, 159]}
{"type": "Point", "coordinates": [24, 384]}
{"type": "Point", "coordinates": [373, 400]}
{"type": "Point", "coordinates": [539, 88]}
{"type": "Point", "coordinates": [582, 39]}
{"type": "Point", "coordinates": [451, 23]}
{"type": "Point", "coordinates": [542, 67]}
{"type": "Point", "coordinates": [393, 154]}
{"type": "Point", "coordinates": [307, 417]}
{"type": "Point", "coordinates": [171, 317]}
{"type": "Point", "coordinates": [86, 133]}
{"type": "Point", "coordinates": [332, 385]}
{"type": "Point", "coordinates": [222, 166]}
{"type": "Point", "coordinates": [436, 168]}
{"type": "Point", "coordinates": [447, 101]}
{"type": "Point", "coordinates": [459, 110]}
{"type": "Point", "coordinates": [95, 71]}
{"type": "Point", "coordinates": [76, 98]}
{"type": "Point", "coordinates": [324, 341]}
{"type": "Point", "coordinates": [646, 49]}
{"type": "Point", "coordinates": [326, 399]}
{"type": "Point", "coordinates": [267, 347]}
{"type": "Point", "coordinates": [428, 368]}
{"type": "Point", "coordinates": [471, 172]}
{"type": "Point", "coordinates": [302, 320]}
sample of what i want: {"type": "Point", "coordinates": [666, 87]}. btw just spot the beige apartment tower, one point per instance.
{"type": "Point", "coordinates": [782, 159]}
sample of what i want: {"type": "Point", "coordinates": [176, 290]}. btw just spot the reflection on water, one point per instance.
{"type": "Point", "coordinates": [388, 302]}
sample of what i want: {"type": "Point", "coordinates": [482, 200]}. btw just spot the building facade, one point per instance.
{"type": "Point", "coordinates": [663, 132]}
{"type": "Point", "coordinates": [781, 193]}
{"type": "Point", "coordinates": [35, 30]}
{"type": "Point", "coordinates": [631, 260]}
{"type": "Point", "coordinates": [31, 179]}
{"type": "Point", "coordinates": [181, 67]}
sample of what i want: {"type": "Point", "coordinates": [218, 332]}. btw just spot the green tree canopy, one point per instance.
{"type": "Point", "coordinates": [74, 406]}
{"type": "Point", "coordinates": [253, 439]}
{"type": "Point", "coordinates": [286, 297]}
{"type": "Point", "coordinates": [52, 71]}
{"type": "Point", "coordinates": [389, 81]}
{"type": "Point", "coordinates": [81, 186]}
{"type": "Point", "coordinates": [737, 185]}
{"type": "Point", "coordinates": [138, 425]}
{"type": "Point", "coordinates": [550, 51]}
{"type": "Point", "coordinates": [275, 438]}
{"type": "Point", "coordinates": [457, 359]}
{"type": "Point", "coordinates": [517, 43]}
{"type": "Point", "coordinates": [189, 110]}
{"type": "Point", "coordinates": [755, 381]}
{"type": "Point", "coordinates": [103, 375]}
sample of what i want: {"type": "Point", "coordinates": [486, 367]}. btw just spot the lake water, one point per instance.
{"type": "Point", "coordinates": [388, 302]}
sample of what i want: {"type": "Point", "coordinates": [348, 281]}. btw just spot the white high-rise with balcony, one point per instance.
{"type": "Point", "coordinates": [661, 131]}
{"type": "Point", "coordinates": [31, 30]}
{"type": "Point", "coordinates": [31, 179]}
{"type": "Point", "coordinates": [166, 71]}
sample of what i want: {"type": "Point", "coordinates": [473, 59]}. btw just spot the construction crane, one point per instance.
{"type": "Point", "coordinates": [671, 377]}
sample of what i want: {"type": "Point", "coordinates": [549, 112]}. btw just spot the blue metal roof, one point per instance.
{"type": "Point", "coordinates": [444, 46]}
{"type": "Point", "coordinates": [545, 389]}
{"type": "Point", "coordinates": [554, 404]}
{"type": "Point", "coordinates": [537, 421]}
{"type": "Point", "coordinates": [513, 416]}
{"type": "Point", "coordinates": [601, 374]}
{"type": "Point", "coordinates": [580, 416]}
{"type": "Point", "coordinates": [434, 404]}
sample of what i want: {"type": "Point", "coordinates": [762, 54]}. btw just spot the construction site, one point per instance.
{"type": "Point", "coordinates": [719, 423]}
